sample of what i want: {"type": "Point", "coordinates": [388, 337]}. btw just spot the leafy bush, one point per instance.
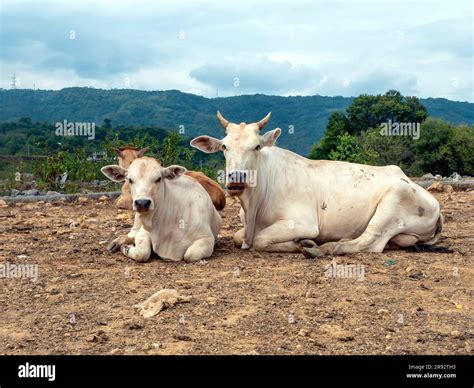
{"type": "Point", "coordinates": [442, 147]}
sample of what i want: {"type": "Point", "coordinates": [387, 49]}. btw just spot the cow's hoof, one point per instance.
{"type": "Point", "coordinates": [245, 246]}
{"type": "Point", "coordinates": [114, 246]}
{"type": "Point", "coordinates": [312, 253]}
{"type": "Point", "coordinates": [309, 249]}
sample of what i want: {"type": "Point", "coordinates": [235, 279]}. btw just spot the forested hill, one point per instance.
{"type": "Point", "coordinates": [306, 116]}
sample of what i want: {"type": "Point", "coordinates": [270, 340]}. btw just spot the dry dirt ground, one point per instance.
{"type": "Point", "coordinates": [242, 302]}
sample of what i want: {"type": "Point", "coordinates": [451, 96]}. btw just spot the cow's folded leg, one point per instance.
{"type": "Point", "coordinates": [381, 228]}
{"type": "Point", "coordinates": [200, 249]}
{"type": "Point", "coordinates": [141, 251]}
{"type": "Point", "coordinates": [128, 239]}
{"type": "Point", "coordinates": [281, 236]}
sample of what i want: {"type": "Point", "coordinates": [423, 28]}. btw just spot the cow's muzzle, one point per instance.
{"type": "Point", "coordinates": [142, 205]}
{"type": "Point", "coordinates": [235, 188]}
{"type": "Point", "coordinates": [236, 182]}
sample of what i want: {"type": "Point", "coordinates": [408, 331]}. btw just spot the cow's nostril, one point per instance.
{"type": "Point", "coordinates": [142, 203]}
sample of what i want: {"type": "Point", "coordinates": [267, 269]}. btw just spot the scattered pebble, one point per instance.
{"type": "Point", "coordinates": [99, 337]}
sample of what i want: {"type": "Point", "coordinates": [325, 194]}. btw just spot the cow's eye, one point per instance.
{"type": "Point", "coordinates": [158, 180]}
{"type": "Point", "coordinates": [224, 147]}
{"type": "Point", "coordinates": [257, 147]}
{"type": "Point", "coordinates": [130, 181]}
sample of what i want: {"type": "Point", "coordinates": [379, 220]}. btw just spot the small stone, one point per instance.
{"type": "Point", "coordinates": [382, 311]}
{"type": "Point", "coordinates": [100, 337]}
{"type": "Point", "coordinates": [3, 203]}
{"type": "Point", "coordinates": [103, 198]}
{"type": "Point", "coordinates": [182, 337]}
{"type": "Point", "coordinates": [52, 290]}
{"type": "Point", "coordinates": [82, 199]}
{"type": "Point", "coordinates": [31, 192]}
{"type": "Point", "coordinates": [337, 332]}
{"type": "Point", "coordinates": [304, 333]}
{"type": "Point", "coordinates": [436, 186]}
{"type": "Point", "coordinates": [416, 275]}
{"type": "Point", "coordinates": [455, 177]}
{"type": "Point", "coordinates": [52, 193]}
{"type": "Point", "coordinates": [134, 324]}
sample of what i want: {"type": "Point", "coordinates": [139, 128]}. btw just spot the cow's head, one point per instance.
{"type": "Point", "coordinates": [126, 155]}
{"type": "Point", "coordinates": [145, 177]}
{"type": "Point", "coordinates": [241, 147]}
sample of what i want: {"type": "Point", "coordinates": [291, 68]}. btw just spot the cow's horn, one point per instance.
{"type": "Point", "coordinates": [222, 120]}
{"type": "Point", "coordinates": [264, 121]}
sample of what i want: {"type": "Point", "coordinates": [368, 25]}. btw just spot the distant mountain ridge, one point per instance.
{"type": "Point", "coordinates": [302, 119]}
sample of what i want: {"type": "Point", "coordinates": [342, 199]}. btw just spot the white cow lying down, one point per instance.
{"type": "Point", "coordinates": [175, 214]}
{"type": "Point", "coordinates": [319, 207]}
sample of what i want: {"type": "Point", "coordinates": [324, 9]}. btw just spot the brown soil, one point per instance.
{"type": "Point", "coordinates": [242, 302]}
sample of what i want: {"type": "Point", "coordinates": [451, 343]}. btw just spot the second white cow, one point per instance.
{"type": "Point", "coordinates": [290, 203]}
{"type": "Point", "coordinates": [178, 220]}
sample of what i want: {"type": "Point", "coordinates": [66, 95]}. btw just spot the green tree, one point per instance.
{"type": "Point", "coordinates": [337, 126]}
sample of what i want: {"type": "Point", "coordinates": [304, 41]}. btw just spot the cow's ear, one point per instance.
{"type": "Point", "coordinates": [142, 152]}
{"type": "Point", "coordinates": [173, 172]}
{"type": "Point", "coordinates": [270, 137]}
{"type": "Point", "coordinates": [114, 173]}
{"type": "Point", "coordinates": [207, 144]}
{"type": "Point", "coordinates": [118, 151]}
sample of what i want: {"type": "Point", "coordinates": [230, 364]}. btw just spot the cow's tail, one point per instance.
{"type": "Point", "coordinates": [428, 246]}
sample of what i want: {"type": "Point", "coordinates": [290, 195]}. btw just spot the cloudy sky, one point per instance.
{"type": "Point", "coordinates": [225, 48]}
